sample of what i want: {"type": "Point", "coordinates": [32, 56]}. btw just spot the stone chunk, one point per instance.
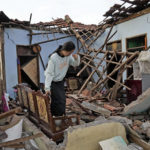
{"type": "Point", "coordinates": [86, 137]}
{"type": "Point", "coordinates": [140, 105]}
{"type": "Point", "coordinates": [96, 108]}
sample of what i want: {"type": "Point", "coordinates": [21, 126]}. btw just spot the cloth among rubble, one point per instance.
{"type": "Point", "coordinates": [144, 62]}
{"type": "Point", "coordinates": [5, 99]}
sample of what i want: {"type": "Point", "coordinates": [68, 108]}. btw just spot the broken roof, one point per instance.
{"type": "Point", "coordinates": [63, 24]}
{"type": "Point", "coordinates": [115, 13]}
{"type": "Point", "coordinates": [119, 12]}
{"type": "Point", "coordinates": [3, 17]}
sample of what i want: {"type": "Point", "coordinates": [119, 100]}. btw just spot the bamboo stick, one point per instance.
{"type": "Point", "coordinates": [87, 80]}
{"type": "Point", "coordinates": [115, 70]}
{"type": "Point", "coordinates": [16, 141]}
{"type": "Point", "coordinates": [96, 52]}
{"type": "Point", "coordinates": [51, 40]}
{"type": "Point", "coordinates": [10, 112]}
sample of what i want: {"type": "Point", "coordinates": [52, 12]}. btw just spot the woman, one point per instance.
{"type": "Point", "coordinates": [57, 68]}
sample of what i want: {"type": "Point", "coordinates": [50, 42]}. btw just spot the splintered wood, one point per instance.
{"type": "Point", "coordinates": [99, 60]}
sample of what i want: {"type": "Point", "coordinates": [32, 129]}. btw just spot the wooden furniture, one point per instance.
{"type": "Point", "coordinates": [52, 126]}
{"type": "Point", "coordinates": [38, 105]}
{"type": "Point", "coordinates": [22, 95]}
{"type": "Point", "coordinates": [33, 110]}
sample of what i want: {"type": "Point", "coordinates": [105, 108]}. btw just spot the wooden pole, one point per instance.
{"type": "Point", "coordinates": [10, 112]}
{"type": "Point", "coordinates": [87, 80]}
{"type": "Point", "coordinates": [23, 139]}
{"type": "Point", "coordinates": [114, 71]}
{"type": "Point", "coordinates": [96, 52]}
{"type": "Point", "coordinates": [51, 40]}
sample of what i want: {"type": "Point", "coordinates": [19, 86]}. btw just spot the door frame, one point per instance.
{"type": "Point", "coordinates": [26, 53]}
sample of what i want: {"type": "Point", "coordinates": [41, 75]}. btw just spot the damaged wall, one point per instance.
{"type": "Point", "coordinates": [48, 48]}
{"type": "Point", "coordinates": [14, 37]}
{"type": "Point", "coordinates": [87, 137]}
{"type": "Point", "coordinates": [131, 28]}
{"type": "Point", "coordinates": [134, 27]}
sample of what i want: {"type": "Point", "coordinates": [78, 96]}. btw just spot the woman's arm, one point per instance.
{"type": "Point", "coordinates": [74, 60]}
{"type": "Point", "coordinates": [49, 75]}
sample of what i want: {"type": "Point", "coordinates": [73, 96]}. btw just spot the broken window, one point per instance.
{"type": "Point", "coordinates": [28, 69]}
{"type": "Point", "coordinates": [138, 43]}
{"type": "Point", "coordinates": [114, 46]}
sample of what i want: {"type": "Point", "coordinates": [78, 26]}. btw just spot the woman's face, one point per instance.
{"type": "Point", "coordinates": [66, 53]}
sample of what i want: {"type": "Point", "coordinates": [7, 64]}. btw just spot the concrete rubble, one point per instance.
{"type": "Point", "coordinates": [142, 104]}
{"type": "Point", "coordinates": [86, 136]}
{"type": "Point", "coordinates": [95, 108]}
{"type": "Point", "coordinates": [134, 146]}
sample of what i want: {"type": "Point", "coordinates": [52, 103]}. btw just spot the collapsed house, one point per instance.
{"type": "Point", "coordinates": [20, 50]}
{"type": "Point", "coordinates": [18, 37]}
{"type": "Point", "coordinates": [108, 53]}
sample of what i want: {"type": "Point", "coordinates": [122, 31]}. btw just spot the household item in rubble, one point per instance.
{"type": "Point", "coordinates": [13, 129]}
{"type": "Point", "coordinates": [136, 89]}
{"type": "Point", "coordinates": [115, 143]}
{"type": "Point", "coordinates": [144, 62]}
{"type": "Point", "coordinates": [136, 71]}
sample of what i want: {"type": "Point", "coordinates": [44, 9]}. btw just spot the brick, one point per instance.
{"type": "Point", "coordinates": [142, 104]}
{"type": "Point", "coordinates": [68, 101]}
{"type": "Point", "coordinates": [109, 107]}
{"type": "Point", "coordinates": [86, 92]}
{"type": "Point", "coordinates": [96, 108]}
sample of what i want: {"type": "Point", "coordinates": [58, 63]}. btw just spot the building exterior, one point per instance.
{"type": "Point", "coordinates": [18, 62]}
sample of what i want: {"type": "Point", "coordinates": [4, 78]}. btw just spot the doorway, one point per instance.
{"type": "Point", "coordinates": [113, 46]}
{"type": "Point", "coordinates": [28, 68]}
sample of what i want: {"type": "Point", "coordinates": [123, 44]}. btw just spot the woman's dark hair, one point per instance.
{"type": "Point", "coordinates": [68, 46]}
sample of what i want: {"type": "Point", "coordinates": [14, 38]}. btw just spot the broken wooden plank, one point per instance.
{"type": "Point", "coordinates": [3, 134]}
{"type": "Point", "coordinates": [10, 112]}
{"type": "Point", "coordinates": [139, 141]}
{"type": "Point", "coordinates": [96, 108]}
{"type": "Point", "coordinates": [15, 146]}
{"type": "Point", "coordinates": [115, 70]}
{"type": "Point", "coordinates": [96, 53]}
{"type": "Point", "coordinates": [14, 120]}
{"type": "Point", "coordinates": [23, 139]}
{"type": "Point", "coordinates": [87, 80]}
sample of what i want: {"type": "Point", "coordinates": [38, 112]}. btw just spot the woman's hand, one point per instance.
{"type": "Point", "coordinates": [48, 92]}
{"type": "Point", "coordinates": [75, 56]}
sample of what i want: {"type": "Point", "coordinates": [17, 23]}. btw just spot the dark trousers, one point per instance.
{"type": "Point", "coordinates": [58, 98]}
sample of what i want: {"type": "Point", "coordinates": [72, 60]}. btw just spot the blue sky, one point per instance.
{"type": "Point", "coordinates": [85, 11]}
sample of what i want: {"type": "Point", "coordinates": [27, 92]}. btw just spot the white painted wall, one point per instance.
{"type": "Point", "coordinates": [131, 28]}
{"type": "Point", "coordinates": [135, 27]}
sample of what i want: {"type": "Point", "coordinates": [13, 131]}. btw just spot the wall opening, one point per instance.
{"type": "Point", "coordinates": [28, 67]}
{"type": "Point", "coordinates": [134, 44]}
{"type": "Point", "coordinates": [113, 46]}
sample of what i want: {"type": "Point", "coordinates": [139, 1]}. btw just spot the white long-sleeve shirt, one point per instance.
{"type": "Point", "coordinates": [57, 68]}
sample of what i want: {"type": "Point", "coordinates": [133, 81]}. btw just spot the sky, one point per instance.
{"type": "Point", "coordinates": [85, 11]}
